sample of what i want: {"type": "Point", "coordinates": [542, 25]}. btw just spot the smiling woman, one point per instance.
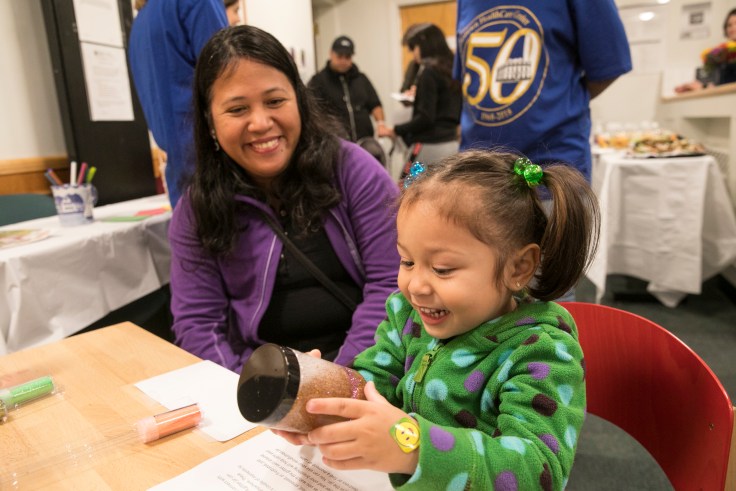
{"type": "Point", "coordinates": [255, 119]}
{"type": "Point", "coordinates": [268, 171]}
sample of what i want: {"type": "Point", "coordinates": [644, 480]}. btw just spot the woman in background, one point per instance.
{"type": "Point", "coordinates": [265, 163]}
{"type": "Point", "coordinates": [232, 9]}
{"type": "Point", "coordinates": [432, 132]}
{"type": "Point", "coordinates": [729, 31]}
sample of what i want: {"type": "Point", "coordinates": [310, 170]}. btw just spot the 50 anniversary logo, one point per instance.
{"type": "Point", "coordinates": [512, 36]}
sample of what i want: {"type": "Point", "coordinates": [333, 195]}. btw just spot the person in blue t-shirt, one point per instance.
{"type": "Point", "coordinates": [166, 37]}
{"type": "Point", "coordinates": [529, 70]}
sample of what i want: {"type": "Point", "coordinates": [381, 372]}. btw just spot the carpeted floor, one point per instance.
{"type": "Point", "coordinates": [608, 458]}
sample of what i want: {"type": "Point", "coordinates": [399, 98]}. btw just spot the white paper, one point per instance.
{"type": "Point", "coordinates": [268, 462]}
{"type": "Point", "coordinates": [211, 386]}
{"type": "Point", "coordinates": [98, 21]}
{"type": "Point", "coordinates": [108, 86]}
{"type": "Point", "coordinates": [695, 21]}
{"type": "Point", "coordinates": [401, 97]}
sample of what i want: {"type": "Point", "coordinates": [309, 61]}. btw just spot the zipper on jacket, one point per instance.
{"type": "Point", "coordinates": [424, 365]}
{"type": "Point", "coordinates": [348, 102]}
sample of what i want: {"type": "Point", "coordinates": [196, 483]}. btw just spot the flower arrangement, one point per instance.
{"type": "Point", "coordinates": [723, 54]}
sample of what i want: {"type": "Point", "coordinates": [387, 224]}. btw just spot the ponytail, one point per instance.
{"type": "Point", "coordinates": [570, 238]}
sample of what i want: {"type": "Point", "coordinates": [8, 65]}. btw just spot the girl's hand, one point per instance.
{"type": "Point", "coordinates": [364, 442]}
{"type": "Point", "coordinates": [293, 437]}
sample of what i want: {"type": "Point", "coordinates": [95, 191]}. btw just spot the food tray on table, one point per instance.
{"type": "Point", "coordinates": [665, 145]}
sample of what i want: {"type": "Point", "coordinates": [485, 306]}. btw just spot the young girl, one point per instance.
{"type": "Point", "coordinates": [472, 385]}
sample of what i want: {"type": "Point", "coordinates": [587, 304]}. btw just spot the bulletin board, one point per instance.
{"type": "Point", "coordinates": [101, 117]}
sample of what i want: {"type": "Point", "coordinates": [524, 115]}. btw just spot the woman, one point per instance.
{"type": "Point", "coordinates": [232, 9]}
{"type": "Point", "coordinates": [729, 32]}
{"type": "Point", "coordinates": [432, 132]}
{"type": "Point", "coordinates": [262, 153]}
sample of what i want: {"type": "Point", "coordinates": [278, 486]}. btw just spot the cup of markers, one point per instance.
{"type": "Point", "coordinates": [74, 201]}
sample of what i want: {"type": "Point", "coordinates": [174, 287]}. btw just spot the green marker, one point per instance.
{"type": "Point", "coordinates": [91, 174]}
{"type": "Point", "coordinates": [12, 397]}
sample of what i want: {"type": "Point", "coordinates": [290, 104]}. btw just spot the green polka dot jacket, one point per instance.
{"type": "Point", "coordinates": [499, 407]}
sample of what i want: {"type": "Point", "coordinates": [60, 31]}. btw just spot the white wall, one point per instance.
{"type": "Point", "coordinates": [290, 21]}
{"type": "Point", "coordinates": [30, 124]}
{"type": "Point", "coordinates": [635, 97]}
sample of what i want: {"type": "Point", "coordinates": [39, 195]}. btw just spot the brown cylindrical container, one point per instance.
{"type": "Point", "coordinates": [276, 382]}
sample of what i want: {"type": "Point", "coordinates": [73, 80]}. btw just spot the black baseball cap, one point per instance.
{"type": "Point", "coordinates": [343, 46]}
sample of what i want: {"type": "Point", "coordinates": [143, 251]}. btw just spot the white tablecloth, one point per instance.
{"type": "Point", "coordinates": [668, 221]}
{"type": "Point", "coordinates": [59, 285]}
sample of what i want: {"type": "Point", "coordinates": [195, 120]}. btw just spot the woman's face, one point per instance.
{"type": "Point", "coordinates": [417, 53]}
{"type": "Point", "coordinates": [255, 119]}
{"type": "Point", "coordinates": [233, 14]}
{"type": "Point", "coordinates": [731, 28]}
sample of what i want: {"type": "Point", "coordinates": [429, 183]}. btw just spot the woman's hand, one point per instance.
{"type": "Point", "coordinates": [365, 441]}
{"type": "Point", "coordinates": [688, 87]}
{"type": "Point", "coordinates": [291, 436]}
{"type": "Point", "coordinates": [385, 131]}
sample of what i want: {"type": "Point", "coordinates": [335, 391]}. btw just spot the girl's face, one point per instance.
{"type": "Point", "coordinates": [731, 28]}
{"type": "Point", "coordinates": [447, 274]}
{"type": "Point", "coordinates": [255, 118]}
{"type": "Point", "coordinates": [417, 53]}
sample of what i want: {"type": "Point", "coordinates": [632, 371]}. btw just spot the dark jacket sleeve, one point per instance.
{"type": "Point", "coordinates": [425, 105]}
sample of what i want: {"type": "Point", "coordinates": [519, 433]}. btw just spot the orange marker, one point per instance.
{"type": "Point", "coordinates": [152, 428]}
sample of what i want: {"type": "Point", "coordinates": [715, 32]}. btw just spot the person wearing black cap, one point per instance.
{"type": "Point", "coordinates": [347, 91]}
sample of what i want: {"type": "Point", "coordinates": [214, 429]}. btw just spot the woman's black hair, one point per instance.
{"type": "Point", "coordinates": [306, 190]}
{"type": "Point", "coordinates": [433, 47]}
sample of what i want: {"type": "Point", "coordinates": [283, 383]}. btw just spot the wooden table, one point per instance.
{"type": "Point", "coordinates": [79, 438]}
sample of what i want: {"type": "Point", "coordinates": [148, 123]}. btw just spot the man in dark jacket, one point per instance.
{"type": "Point", "coordinates": [347, 91]}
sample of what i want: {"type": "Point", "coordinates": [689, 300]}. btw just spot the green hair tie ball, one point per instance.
{"type": "Point", "coordinates": [532, 173]}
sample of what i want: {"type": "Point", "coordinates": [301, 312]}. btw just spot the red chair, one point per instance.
{"type": "Point", "coordinates": [643, 379]}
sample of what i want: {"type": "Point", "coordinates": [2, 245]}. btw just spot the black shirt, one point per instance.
{"type": "Point", "coordinates": [436, 113]}
{"type": "Point", "coordinates": [302, 314]}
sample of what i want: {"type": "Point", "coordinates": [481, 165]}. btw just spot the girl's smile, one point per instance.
{"type": "Point", "coordinates": [447, 273]}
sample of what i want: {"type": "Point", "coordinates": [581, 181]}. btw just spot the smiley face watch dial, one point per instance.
{"type": "Point", "coordinates": [406, 434]}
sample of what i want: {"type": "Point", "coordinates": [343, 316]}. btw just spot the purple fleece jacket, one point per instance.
{"type": "Point", "coordinates": [218, 303]}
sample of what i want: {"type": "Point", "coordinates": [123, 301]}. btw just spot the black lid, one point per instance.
{"type": "Point", "coordinates": [268, 385]}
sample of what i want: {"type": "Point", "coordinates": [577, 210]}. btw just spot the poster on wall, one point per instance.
{"type": "Point", "coordinates": [108, 86]}
{"type": "Point", "coordinates": [98, 21]}
{"type": "Point", "coordinates": [695, 21]}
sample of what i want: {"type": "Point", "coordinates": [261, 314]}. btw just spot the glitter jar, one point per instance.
{"type": "Point", "coordinates": [276, 382]}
